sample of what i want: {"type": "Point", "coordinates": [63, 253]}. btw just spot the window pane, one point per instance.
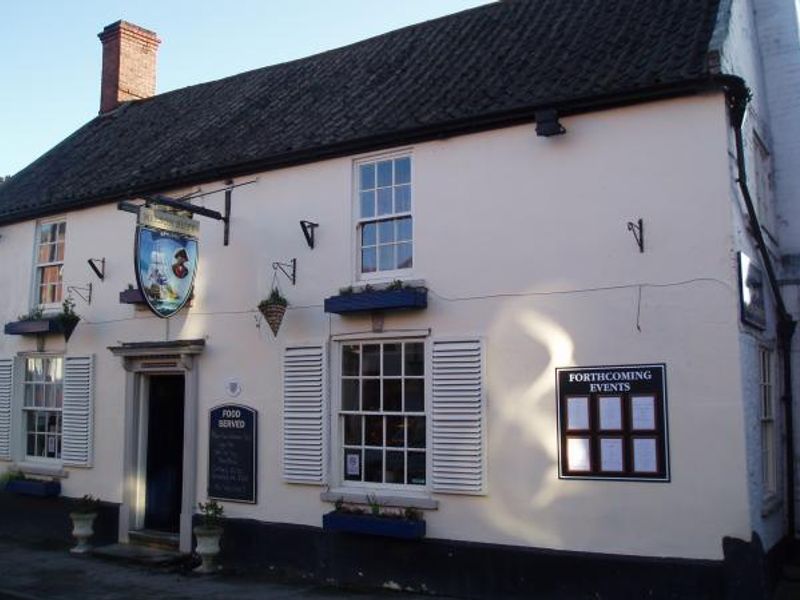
{"type": "Point", "coordinates": [369, 260]}
{"type": "Point", "coordinates": [415, 359]}
{"type": "Point", "coordinates": [371, 358]}
{"type": "Point", "coordinates": [62, 228]}
{"type": "Point", "coordinates": [373, 465]}
{"type": "Point", "coordinates": [369, 234]}
{"type": "Point", "coordinates": [402, 198]}
{"type": "Point", "coordinates": [28, 395]}
{"type": "Point", "coordinates": [352, 430]}
{"type": "Point", "coordinates": [416, 432]}
{"type": "Point", "coordinates": [59, 396]}
{"type": "Point", "coordinates": [395, 467]}
{"type": "Point", "coordinates": [350, 394]}
{"type": "Point", "coordinates": [404, 258]}
{"type": "Point", "coordinates": [395, 431]}
{"type": "Point", "coordinates": [373, 431]}
{"type": "Point", "coordinates": [415, 395]}
{"type": "Point", "coordinates": [392, 359]}
{"type": "Point", "coordinates": [367, 173]}
{"type": "Point", "coordinates": [350, 362]}
{"type": "Point", "coordinates": [60, 251]}
{"type": "Point", "coordinates": [386, 258]}
{"type": "Point", "coordinates": [402, 170]}
{"type": "Point", "coordinates": [352, 464]}
{"type": "Point", "coordinates": [386, 232]}
{"type": "Point", "coordinates": [416, 468]}
{"type": "Point", "coordinates": [367, 205]}
{"type": "Point", "coordinates": [385, 201]}
{"type": "Point", "coordinates": [403, 229]}
{"type": "Point", "coordinates": [371, 395]}
{"type": "Point", "coordinates": [38, 395]}
{"type": "Point", "coordinates": [384, 173]}
{"type": "Point", "coordinates": [392, 395]}
{"type": "Point", "coordinates": [43, 254]}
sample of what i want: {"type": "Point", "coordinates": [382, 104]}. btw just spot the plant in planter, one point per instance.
{"type": "Point", "coordinates": [83, 522]}
{"type": "Point", "coordinates": [273, 308]}
{"type": "Point", "coordinates": [34, 314]}
{"type": "Point", "coordinates": [67, 318]}
{"type": "Point", "coordinates": [208, 534]}
{"type": "Point", "coordinates": [407, 524]}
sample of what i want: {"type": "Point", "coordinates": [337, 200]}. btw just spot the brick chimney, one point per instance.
{"type": "Point", "coordinates": [129, 64]}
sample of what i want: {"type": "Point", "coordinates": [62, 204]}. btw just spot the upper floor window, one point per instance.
{"type": "Point", "coordinates": [384, 216]}
{"type": "Point", "coordinates": [49, 288]}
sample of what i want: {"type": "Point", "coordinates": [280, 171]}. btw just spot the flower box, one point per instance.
{"type": "Point", "coordinates": [370, 301]}
{"type": "Point", "coordinates": [34, 327]}
{"type": "Point", "coordinates": [34, 487]}
{"type": "Point", "coordinates": [373, 525]}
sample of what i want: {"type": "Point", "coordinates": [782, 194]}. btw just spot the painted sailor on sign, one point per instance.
{"type": "Point", "coordinates": [166, 259]}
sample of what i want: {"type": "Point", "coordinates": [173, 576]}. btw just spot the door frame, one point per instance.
{"type": "Point", "coordinates": [141, 360]}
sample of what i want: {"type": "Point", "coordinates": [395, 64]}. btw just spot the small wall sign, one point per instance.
{"type": "Point", "coordinates": [612, 422]}
{"type": "Point", "coordinates": [232, 447]}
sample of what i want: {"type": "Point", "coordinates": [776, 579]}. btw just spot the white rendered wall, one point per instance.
{"type": "Point", "coordinates": [520, 239]}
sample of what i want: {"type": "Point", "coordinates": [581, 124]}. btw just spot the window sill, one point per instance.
{"type": "Point", "coordinates": [41, 469]}
{"type": "Point", "coordinates": [771, 504]}
{"type": "Point", "coordinates": [385, 498]}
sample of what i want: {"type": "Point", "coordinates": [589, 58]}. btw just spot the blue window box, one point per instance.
{"type": "Point", "coordinates": [34, 487]}
{"type": "Point", "coordinates": [406, 298]}
{"type": "Point", "coordinates": [34, 327]}
{"type": "Point", "coordinates": [372, 525]}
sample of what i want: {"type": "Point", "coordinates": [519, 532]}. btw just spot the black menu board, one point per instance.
{"type": "Point", "coordinates": [232, 445]}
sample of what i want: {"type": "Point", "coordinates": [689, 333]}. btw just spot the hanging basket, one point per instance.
{"type": "Point", "coordinates": [273, 314]}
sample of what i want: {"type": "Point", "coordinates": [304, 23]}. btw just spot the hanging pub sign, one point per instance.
{"type": "Point", "coordinates": [166, 259]}
{"type": "Point", "coordinates": [232, 446]}
{"type": "Point", "coordinates": [751, 292]}
{"type": "Point", "coordinates": [612, 422]}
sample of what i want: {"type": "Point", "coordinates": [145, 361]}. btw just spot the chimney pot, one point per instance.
{"type": "Point", "coordinates": [129, 64]}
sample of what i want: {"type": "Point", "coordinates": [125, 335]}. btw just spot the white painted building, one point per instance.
{"type": "Point", "coordinates": [525, 247]}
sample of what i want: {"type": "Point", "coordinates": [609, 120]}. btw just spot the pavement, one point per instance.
{"type": "Point", "coordinates": [38, 573]}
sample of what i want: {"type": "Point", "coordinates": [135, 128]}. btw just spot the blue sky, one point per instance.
{"type": "Point", "coordinates": [50, 66]}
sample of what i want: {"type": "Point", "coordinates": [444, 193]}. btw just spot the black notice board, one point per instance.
{"type": "Point", "coordinates": [232, 446]}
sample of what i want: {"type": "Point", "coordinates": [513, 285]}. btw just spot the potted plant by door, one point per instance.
{"type": "Point", "coordinates": [67, 318]}
{"type": "Point", "coordinates": [208, 534]}
{"type": "Point", "coordinates": [273, 308]}
{"type": "Point", "coordinates": [83, 522]}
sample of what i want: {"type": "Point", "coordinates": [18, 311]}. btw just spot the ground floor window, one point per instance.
{"type": "Point", "coordinates": [43, 396]}
{"type": "Point", "coordinates": [769, 466]}
{"type": "Point", "coordinates": [382, 416]}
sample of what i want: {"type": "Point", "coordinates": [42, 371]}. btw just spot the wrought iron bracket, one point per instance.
{"type": "Point", "coordinates": [308, 228]}
{"type": "Point", "coordinates": [80, 291]}
{"type": "Point", "coordinates": [282, 267]}
{"type": "Point", "coordinates": [637, 229]}
{"type": "Point", "coordinates": [99, 271]}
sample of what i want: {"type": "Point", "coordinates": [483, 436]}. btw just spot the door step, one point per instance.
{"type": "Point", "coordinates": [161, 540]}
{"type": "Point", "coordinates": [140, 555]}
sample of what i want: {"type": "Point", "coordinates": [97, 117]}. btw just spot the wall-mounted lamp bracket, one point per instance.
{"type": "Point", "coordinates": [637, 229]}
{"type": "Point", "coordinates": [291, 276]}
{"type": "Point", "coordinates": [308, 231]}
{"type": "Point", "coordinates": [84, 292]}
{"type": "Point", "coordinates": [99, 271]}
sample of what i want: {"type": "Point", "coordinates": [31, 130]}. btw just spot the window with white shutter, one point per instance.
{"type": "Point", "coordinates": [304, 415]}
{"type": "Point", "coordinates": [77, 409]}
{"type": "Point", "coordinates": [6, 391]}
{"type": "Point", "coordinates": [459, 417]}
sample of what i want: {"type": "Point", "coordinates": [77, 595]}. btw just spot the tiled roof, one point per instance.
{"type": "Point", "coordinates": [471, 70]}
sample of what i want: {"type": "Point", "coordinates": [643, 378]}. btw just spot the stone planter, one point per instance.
{"type": "Point", "coordinates": [207, 547]}
{"type": "Point", "coordinates": [82, 530]}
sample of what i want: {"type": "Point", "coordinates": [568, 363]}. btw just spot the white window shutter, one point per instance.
{"type": "Point", "coordinates": [6, 391]}
{"type": "Point", "coordinates": [77, 408]}
{"type": "Point", "coordinates": [459, 417]}
{"type": "Point", "coordinates": [304, 415]}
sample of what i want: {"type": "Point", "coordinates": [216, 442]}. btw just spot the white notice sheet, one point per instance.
{"type": "Point", "coordinates": [643, 412]}
{"type": "Point", "coordinates": [578, 454]}
{"type": "Point", "coordinates": [611, 454]}
{"type": "Point", "coordinates": [610, 413]}
{"type": "Point", "coordinates": [577, 412]}
{"type": "Point", "coordinates": [645, 459]}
